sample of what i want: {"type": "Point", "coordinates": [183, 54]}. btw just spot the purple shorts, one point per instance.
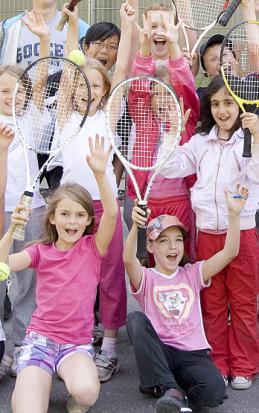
{"type": "Point", "coordinates": [40, 351]}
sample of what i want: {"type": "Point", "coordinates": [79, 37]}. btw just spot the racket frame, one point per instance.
{"type": "Point", "coordinates": [27, 197]}
{"type": "Point", "coordinates": [240, 101]}
{"type": "Point", "coordinates": [142, 201]}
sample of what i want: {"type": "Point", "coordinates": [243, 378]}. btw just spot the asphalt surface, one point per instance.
{"type": "Point", "coordinates": [121, 395]}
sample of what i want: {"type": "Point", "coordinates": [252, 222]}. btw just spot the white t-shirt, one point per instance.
{"type": "Point", "coordinates": [16, 173]}
{"type": "Point", "coordinates": [75, 167]}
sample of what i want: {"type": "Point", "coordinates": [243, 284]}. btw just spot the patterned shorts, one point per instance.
{"type": "Point", "coordinates": [40, 351]}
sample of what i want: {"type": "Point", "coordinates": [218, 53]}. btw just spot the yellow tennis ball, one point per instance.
{"type": "Point", "coordinates": [77, 57]}
{"type": "Point", "coordinates": [4, 271]}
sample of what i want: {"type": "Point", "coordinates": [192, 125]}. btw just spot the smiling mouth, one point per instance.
{"type": "Point", "coordinates": [71, 231]}
{"type": "Point", "coordinates": [159, 42]}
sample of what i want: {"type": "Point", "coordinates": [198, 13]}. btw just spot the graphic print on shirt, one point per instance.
{"type": "Point", "coordinates": [31, 52]}
{"type": "Point", "coordinates": [174, 301]}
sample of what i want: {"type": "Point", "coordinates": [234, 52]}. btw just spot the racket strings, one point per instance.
{"type": "Point", "coordinates": [46, 98]}
{"type": "Point", "coordinates": [240, 60]}
{"type": "Point", "coordinates": [198, 14]}
{"type": "Point", "coordinates": [149, 113]}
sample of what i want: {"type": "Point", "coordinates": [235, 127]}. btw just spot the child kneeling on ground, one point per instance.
{"type": "Point", "coordinates": [171, 349]}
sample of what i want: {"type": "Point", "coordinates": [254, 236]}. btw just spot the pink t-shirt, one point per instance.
{"type": "Point", "coordinates": [65, 290]}
{"type": "Point", "coordinates": [172, 304]}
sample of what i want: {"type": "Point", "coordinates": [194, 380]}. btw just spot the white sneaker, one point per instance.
{"type": "Point", "coordinates": [241, 383]}
{"type": "Point", "coordinates": [74, 407]}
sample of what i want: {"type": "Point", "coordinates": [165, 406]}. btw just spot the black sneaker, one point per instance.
{"type": "Point", "coordinates": [154, 391]}
{"type": "Point", "coordinates": [173, 401]}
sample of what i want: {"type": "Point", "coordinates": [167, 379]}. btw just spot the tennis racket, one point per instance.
{"type": "Point", "coordinates": [198, 15]}
{"type": "Point", "coordinates": [242, 77]}
{"type": "Point", "coordinates": [156, 128]}
{"type": "Point", "coordinates": [47, 96]}
{"type": "Point", "coordinates": [64, 18]}
{"type": "Point", "coordinates": [224, 18]}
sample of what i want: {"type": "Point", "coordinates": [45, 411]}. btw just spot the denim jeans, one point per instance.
{"type": "Point", "coordinates": [168, 367]}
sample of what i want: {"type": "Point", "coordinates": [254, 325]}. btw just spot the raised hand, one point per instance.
{"type": "Point", "coordinates": [171, 30]}
{"type": "Point", "coordinates": [35, 23]}
{"type": "Point", "coordinates": [127, 14]}
{"type": "Point", "coordinates": [236, 201]}
{"type": "Point", "coordinates": [6, 136]}
{"type": "Point", "coordinates": [144, 37]}
{"type": "Point", "coordinates": [71, 14]}
{"type": "Point", "coordinates": [251, 121]}
{"type": "Point", "coordinates": [139, 217]}
{"type": "Point", "coordinates": [98, 158]}
{"type": "Point", "coordinates": [20, 215]}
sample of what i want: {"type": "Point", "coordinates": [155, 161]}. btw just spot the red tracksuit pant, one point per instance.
{"type": "Point", "coordinates": [233, 339]}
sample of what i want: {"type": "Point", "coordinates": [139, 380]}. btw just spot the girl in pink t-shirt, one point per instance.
{"type": "Point", "coordinates": [67, 261]}
{"type": "Point", "coordinates": [172, 352]}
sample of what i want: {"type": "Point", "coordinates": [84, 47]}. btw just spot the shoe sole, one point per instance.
{"type": "Point", "coordinates": [108, 377]}
{"type": "Point", "coordinates": [167, 405]}
{"type": "Point", "coordinates": [241, 386]}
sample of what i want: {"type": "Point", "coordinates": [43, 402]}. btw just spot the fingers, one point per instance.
{"type": "Point", "coordinates": [139, 216]}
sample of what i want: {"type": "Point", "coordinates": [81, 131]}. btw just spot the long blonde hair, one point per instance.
{"type": "Point", "coordinates": [78, 194]}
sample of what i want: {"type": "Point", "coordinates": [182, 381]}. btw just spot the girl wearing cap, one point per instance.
{"type": "Point", "coordinates": [171, 349]}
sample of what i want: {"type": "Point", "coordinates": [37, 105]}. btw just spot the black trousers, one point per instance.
{"type": "Point", "coordinates": [2, 347]}
{"type": "Point", "coordinates": [167, 367]}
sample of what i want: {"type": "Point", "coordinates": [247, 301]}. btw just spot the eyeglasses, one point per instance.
{"type": "Point", "coordinates": [109, 46]}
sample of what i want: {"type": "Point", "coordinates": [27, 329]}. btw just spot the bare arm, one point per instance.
{"type": "Point", "coordinates": [98, 162]}
{"type": "Point", "coordinates": [21, 260]}
{"type": "Point", "coordinates": [73, 28]}
{"type": "Point", "coordinates": [6, 137]}
{"type": "Point", "coordinates": [132, 264]}
{"type": "Point", "coordinates": [127, 14]}
{"type": "Point", "coordinates": [216, 263]}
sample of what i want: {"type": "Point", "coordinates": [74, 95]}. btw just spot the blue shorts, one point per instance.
{"type": "Point", "coordinates": [40, 351]}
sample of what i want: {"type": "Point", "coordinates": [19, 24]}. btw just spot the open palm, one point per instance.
{"type": "Point", "coordinates": [98, 158]}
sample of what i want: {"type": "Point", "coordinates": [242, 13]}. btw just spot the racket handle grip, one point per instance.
{"type": "Point", "coordinates": [19, 232]}
{"type": "Point", "coordinates": [247, 144]}
{"type": "Point", "coordinates": [228, 13]}
{"type": "Point", "coordinates": [142, 237]}
{"type": "Point", "coordinates": [60, 26]}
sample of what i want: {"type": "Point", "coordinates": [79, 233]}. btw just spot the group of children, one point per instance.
{"type": "Point", "coordinates": [188, 343]}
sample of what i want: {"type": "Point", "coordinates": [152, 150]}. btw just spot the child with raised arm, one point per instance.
{"type": "Point", "coordinates": [171, 349]}
{"type": "Point", "coordinates": [159, 38]}
{"type": "Point", "coordinates": [112, 287]}
{"type": "Point", "coordinates": [59, 335]}
{"type": "Point", "coordinates": [215, 154]}
{"type": "Point", "coordinates": [6, 138]}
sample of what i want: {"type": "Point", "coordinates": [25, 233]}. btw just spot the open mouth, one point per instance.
{"type": "Point", "coordinates": [102, 61]}
{"type": "Point", "coordinates": [160, 42]}
{"type": "Point", "coordinates": [71, 232]}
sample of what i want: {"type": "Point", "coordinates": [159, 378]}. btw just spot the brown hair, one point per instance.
{"type": "Point", "coordinates": [95, 65]}
{"type": "Point", "coordinates": [161, 7]}
{"type": "Point", "coordinates": [78, 194]}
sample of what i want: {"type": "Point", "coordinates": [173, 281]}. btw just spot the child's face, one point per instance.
{"type": "Point", "coordinates": [225, 111]}
{"type": "Point", "coordinates": [211, 59]}
{"type": "Point", "coordinates": [98, 89]}
{"type": "Point", "coordinates": [161, 103]}
{"type": "Point", "coordinates": [70, 220]}
{"type": "Point", "coordinates": [105, 51]}
{"type": "Point", "coordinates": [168, 250]}
{"type": "Point", "coordinates": [159, 47]}
{"type": "Point", "coordinates": [7, 86]}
